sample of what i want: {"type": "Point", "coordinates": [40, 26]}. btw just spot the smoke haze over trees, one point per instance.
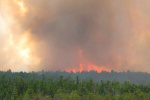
{"type": "Point", "coordinates": [133, 77]}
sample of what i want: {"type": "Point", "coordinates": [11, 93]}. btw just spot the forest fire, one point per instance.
{"type": "Point", "coordinates": [74, 49]}
{"type": "Point", "coordinates": [75, 36]}
{"type": "Point", "coordinates": [87, 68]}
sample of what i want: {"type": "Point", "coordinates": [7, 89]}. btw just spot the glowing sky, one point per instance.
{"type": "Point", "coordinates": [75, 35]}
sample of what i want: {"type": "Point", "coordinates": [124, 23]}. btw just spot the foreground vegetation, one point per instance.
{"type": "Point", "coordinates": [48, 88]}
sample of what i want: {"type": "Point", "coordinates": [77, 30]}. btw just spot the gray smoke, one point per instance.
{"type": "Point", "coordinates": [110, 33]}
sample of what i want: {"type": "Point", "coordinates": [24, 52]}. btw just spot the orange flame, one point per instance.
{"type": "Point", "coordinates": [81, 68]}
{"type": "Point", "coordinates": [74, 70]}
{"type": "Point", "coordinates": [87, 68]}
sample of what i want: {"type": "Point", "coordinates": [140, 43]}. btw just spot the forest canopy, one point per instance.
{"type": "Point", "coordinates": [73, 86]}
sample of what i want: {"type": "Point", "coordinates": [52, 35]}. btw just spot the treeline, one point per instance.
{"type": "Point", "coordinates": [121, 77]}
{"type": "Point", "coordinates": [26, 86]}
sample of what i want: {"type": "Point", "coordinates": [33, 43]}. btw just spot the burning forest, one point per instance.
{"type": "Point", "coordinates": [75, 35]}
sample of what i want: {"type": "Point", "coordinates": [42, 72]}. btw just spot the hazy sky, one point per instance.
{"type": "Point", "coordinates": [75, 35]}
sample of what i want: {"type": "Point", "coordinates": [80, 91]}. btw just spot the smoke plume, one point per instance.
{"type": "Point", "coordinates": [75, 35]}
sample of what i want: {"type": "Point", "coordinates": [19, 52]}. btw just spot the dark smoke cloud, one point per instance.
{"type": "Point", "coordinates": [110, 33]}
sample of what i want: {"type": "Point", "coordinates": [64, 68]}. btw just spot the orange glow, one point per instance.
{"type": "Point", "coordinates": [22, 51]}
{"type": "Point", "coordinates": [99, 69]}
{"type": "Point", "coordinates": [20, 3]}
{"type": "Point", "coordinates": [33, 34]}
{"type": "Point", "coordinates": [3, 25]}
{"type": "Point", "coordinates": [81, 68]}
{"type": "Point", "coordinates": [74, 70]}
{"type": "Point", "coordinates": [25, 52]}
{"type": "Point", "coordinates": [85, 66]}
{"type": "Point", "coordinates": [88, 68]}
